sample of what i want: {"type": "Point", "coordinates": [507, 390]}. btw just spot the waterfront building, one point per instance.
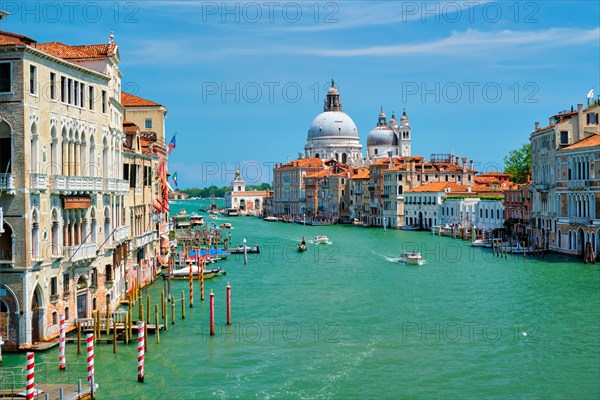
{"type": "Point", "coordinates": [422, 205]}
{"type": "Point", "coordinates": [517, 210]}
{"type": "Point", "coordinates": [177, 195]}
{"type": "Point", "coordinates": [60, 188]}
{"type": "Point", "coordinates": [489, 213]}
{"type": "Point", "coordinates": [333, 134]}
{"type": "Point", "coordinates": [578, 195]}
{"type": "Point", "coordinates": [289, 194]}
{"type": "Point", "coordinates": [245, 201]}
{"type": "Point", "coordinates": [359, 193]}
{"type": "Point", "coordinates": [77, 188]}
{"type": "Point", "coordinates": [565, 128]}
{"type": "Point", "coordinates": [141, 153]}
{"type": "Point", "coordinates": [333, 197]}
{"type": "Point", "coordinates": [459, 210]}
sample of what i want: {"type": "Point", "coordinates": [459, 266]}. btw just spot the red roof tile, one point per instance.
{"type": "Point", "coordinates": [131, 100]}
{"type": "Point", "coordinates": [439, 187]}
{"type": "Point", "coordinates": [590, 141]}
{"type": "Point", "coordinates": [9, 38]}
{"type": "Point", "coordinates": [66, 52]}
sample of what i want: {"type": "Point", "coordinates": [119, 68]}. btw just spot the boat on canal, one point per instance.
{"type": "Point", "coordinates": [411, 258]}
{"type": "Point", "coordinates": [240, 249]}
{"type": "Point", "coordinates": [184, 273]}
{"type": "Point", "coordinates": [321, 239]}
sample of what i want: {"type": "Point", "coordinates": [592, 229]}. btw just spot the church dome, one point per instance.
{"type": "Point", "coordinates": [382, 134]}
{"type": "Point", "coordinates": [332, 124]}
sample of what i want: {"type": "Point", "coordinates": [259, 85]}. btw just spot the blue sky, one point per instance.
{"type": "Point", "coordinates": [244, 80]}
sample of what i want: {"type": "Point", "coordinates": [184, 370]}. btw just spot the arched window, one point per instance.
{"type": "Point", "coordinates": [5, 147]}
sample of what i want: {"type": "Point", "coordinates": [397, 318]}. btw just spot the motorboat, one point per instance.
{"type": "Point", "coordinates": [411, 258]}
{"type": "Point", "coordinates": [410, 228]}
{"type": "Point", "coordinates": [184, 273]}
{"type": "Point", "coordinates": [225, 225]}
{"type": "Point", "coordinates": [482, 243]}
{"type": "Point", "coordinates": [270, 219]}
{"type": "Point", "coordinates": [240, 249]}
{"type": "Point", "coordinates": [321, 239]}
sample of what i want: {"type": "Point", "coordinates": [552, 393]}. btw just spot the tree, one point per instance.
{"type": "Point", "coordinates": [517, 163]}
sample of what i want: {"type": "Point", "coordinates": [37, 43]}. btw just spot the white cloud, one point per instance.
{"type": "Point", "coordinates": [470, 42]}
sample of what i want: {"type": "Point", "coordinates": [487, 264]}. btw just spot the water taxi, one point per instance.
{"type": "Point", "coordinates": [270, 219]}
{"type": "Point", "coordinates": [411, 258]}
{"type": "Point", "coordinates": [321, 239]}
{"type": "Point", "coordinates": [225, 225]}
{"type": "Point", "coordinates": [184, 273]}
{"type": "Point", "coordinates": [240, 249]}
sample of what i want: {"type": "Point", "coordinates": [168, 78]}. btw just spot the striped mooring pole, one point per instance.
{"type": "Point", "coordinates": [89, 339]}
{"type": "Point", "coordinates": [29, 388]}
{"type": "Point", "coordinates": [61, 350]}
{"type": "Point", "coordinates": [212, 313]}
{"type": "Point", "coordinates": [228, 288]}
{"type": "Point", "coordinates": [191, 286]}
{"type": "Point", "coordinates": [141, 345]}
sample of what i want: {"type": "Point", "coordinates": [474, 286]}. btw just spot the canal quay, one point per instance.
{"type": "Point", "coordinates": [346, 320]}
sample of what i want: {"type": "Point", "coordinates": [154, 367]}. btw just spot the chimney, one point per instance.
{"type": "Point", "coordinates": [470, 164]}
{"type": "Point", "coordinates": [457, 162]}
{"type": "Point", "coordinates": [537, 126]}
{"type": "Point", "coordinates": [464, 164]}
{"type": "Point", "coordinates": [579, 107]}
{"type": "Point", "coordinates": [469, 189]}
{"type": "Point", "coordinates": [391, 158]}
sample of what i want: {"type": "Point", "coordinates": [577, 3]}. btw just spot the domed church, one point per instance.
{"type": "Point", "coordinates": [385, 137]}
{"type": "Point", "coordinates": [333, 134]}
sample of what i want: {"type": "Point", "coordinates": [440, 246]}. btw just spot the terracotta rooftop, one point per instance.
{"type": "Point", "coordinates": [130, 127]}
{"type": "Point", "coordinates": [131, 100]}
{"type": "Point", "coordinates": [83, 52]}
{"type": "Point", "coordinates": [439, 187]}
{"type": "Point", "coordinates": [360, 173]}
{"type": "Point", "coordinates": [318, 174]}
{"type": "Point", "coordinates": [590, 141]}
{"type": "Point", "coordinates": [302, 162]}
{"type": "Point", "coordinates": [9, 38]}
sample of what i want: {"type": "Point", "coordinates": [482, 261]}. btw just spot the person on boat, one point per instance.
{"type": "Point", "coordinates": [303, 242]}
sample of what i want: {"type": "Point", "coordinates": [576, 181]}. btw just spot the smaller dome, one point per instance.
{"type": "Point", "coordinates": [332, 90]}
{"type": "Point", "coordinates": [381, 136]}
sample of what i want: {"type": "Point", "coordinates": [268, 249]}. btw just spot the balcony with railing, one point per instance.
{"type": "Point", "coordinates": [143, 240]}
{"type": "Point", "coordinates": [580, 220]}
{"type": "Point", "coordinates": [63, 183]}
{"type": "Point", "coordinates": [121, 234]}
{"type": "Point", "coordinates": [79, 252]}
{"type": "Point", "coordinates": [7, 183]}
{"type": "Point", "coordinates": [38, 182]}
{"type": "Point", "coordinates": [578, 184]}
{"type": "Point", "coordinates": [116, 185]}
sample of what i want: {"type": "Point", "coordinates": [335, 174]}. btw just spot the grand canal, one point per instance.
{"type": "Point", "coordinates": [347, 321]}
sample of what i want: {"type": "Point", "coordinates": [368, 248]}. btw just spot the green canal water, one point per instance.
{"type": "Point", "coordinates": [346, 321]}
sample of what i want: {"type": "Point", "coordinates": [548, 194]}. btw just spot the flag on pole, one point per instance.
{"type": "Point", "coordinates": [590, 94]}
{"type": "Point", "coordinates": [172, 144]}
{"type": "Point", "coordinates": [175, 178]}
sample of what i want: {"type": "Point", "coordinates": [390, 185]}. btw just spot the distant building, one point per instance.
{"type": "Point", "coordinates": [245, 201]}
{"type": "Point", "coordinates": [177, 195]}
{"type": "Point", "coordinates": [517, 210]}
{"type": "Point", "coordinates": [422, 205]}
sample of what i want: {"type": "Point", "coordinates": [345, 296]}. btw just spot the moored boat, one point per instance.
{"type": "Point", "coordinates": [270, 219]}
{"type": "Point", "coordinates": [410, 228]}
{"type": "Point", "coordinates": [184, 273]}
{"type": "Point", "coordinates": [240, 250]}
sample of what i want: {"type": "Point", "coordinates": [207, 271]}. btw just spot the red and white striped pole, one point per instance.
{"type": "Point", "coordinates": [191, 286]}
{"type": "Point", "coordinates": [89, 339]}
{"type": "Point", "coordinates": [202, 279]}
{"type": "Point", "coordinates": [141, 351]}
{"type": "Point", "coordinates": [228, 304]}
{"type": "Point", "coordinates": [212, 313]}
{"type": "Point", "coordinates": [29, 388]}
{"type": "Point", "coordinates": [61, 350]}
